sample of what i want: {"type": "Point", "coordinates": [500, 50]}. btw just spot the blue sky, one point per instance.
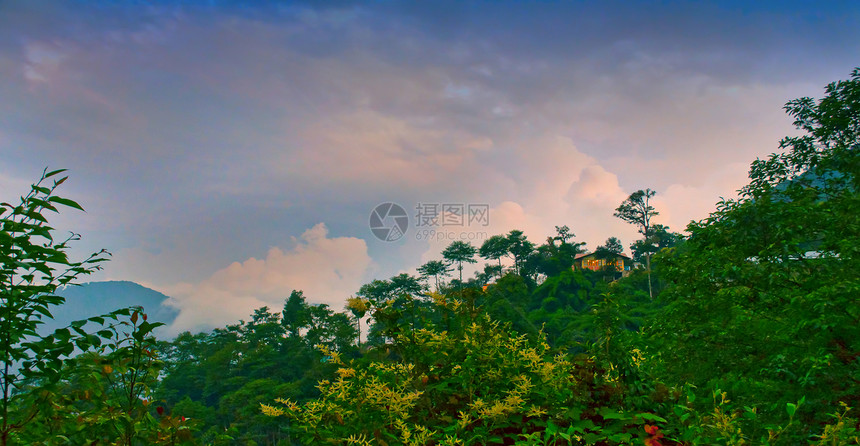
{"type": "Point", "coordinates": [229, 152]}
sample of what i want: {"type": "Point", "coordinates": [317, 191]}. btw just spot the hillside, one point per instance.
{"type": "Point", "coordinates": [95, 298]}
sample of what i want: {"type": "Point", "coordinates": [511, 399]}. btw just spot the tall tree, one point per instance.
{"type": "Point", "coordinates": [459, 252]}
{"type": "Point", "coordinates": [358, 307]}
{"type": "Point", "coordinates": [519, 248]}
{"type": "Point", "coordinates": [494, 248]}
{"type": "Point", "coordinates": [609, 252]}
{"type": "Point", "coordinates": [611, 246]}
{"type": "Point", "coordinates": [405, 284]}
{"type": "Point", "coordinates": [660, 238]}
{"type": "Point", "coordinates": [376, 292]}
{"type": "Point", "coordinates": [436, 269]}
{"type": "Point", "coordinates": [484, 277]}
{"type": "Point", "coordinates": [405, 289]}
{"type": "Point", "coordinates": [555, 258]}
{"type": "Point", "coordinates": [563, 234]}
{"type": "Point", "coordinates": [295, 313]}
{"type": "Point", "coordinates": [637, 210]}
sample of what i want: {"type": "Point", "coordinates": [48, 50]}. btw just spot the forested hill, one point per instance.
{"type": "Point", "coordinates": [93, 298]}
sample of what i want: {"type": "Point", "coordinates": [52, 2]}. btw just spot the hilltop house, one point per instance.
{"type": "Point", "coordinates": [590, 260]}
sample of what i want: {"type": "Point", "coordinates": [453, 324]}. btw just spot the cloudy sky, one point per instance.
{"type": "Point", "coordinates": [230, 152]}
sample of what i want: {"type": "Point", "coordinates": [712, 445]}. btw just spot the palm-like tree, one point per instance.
{"type": "Point", "coordinates": [434, 268]}
{"type": "Point", "coordinates": [459, 252]}
{"type": "Point", "coordinates": [358, 307]}
{"type": "Point", "coordinates": [494, 248]}
{"type": "Point", "coordinates": [519, 248]}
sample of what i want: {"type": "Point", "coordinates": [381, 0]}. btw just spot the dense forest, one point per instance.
{"type": "Point", "coordinates": [744, 331]}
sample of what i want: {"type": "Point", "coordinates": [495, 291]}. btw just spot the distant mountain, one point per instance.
{"type": "Point", "coordinates": [96, 298]}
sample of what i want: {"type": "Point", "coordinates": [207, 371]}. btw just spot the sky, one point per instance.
{"type": "Point", "coordinates": [229, 152]}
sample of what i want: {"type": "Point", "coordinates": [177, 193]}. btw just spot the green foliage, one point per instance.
{"type": "Point", "coordinates": [435, 269]}
{"type": "Point", "coordinates": [637, 210]}
{"type": "Point", "coordinates": [32, 266]}
{"type": "Point", "coordinates": [612, 246]}
{"type": "Point", "coordinates": [762, 300]}
{"type": "Point", "coordinates": [494, 248]}
{"type": "Point", "coordinates": [104, 394]}
{"type": "Point", "coordinates": [660, 238]}
{"type": "Point", "coordinates": [481, 384]}
{"type": "Point", "coordinates": [78, 385]}
{"type": "Point", "coordinates": [519, 248]}
{"type": "Point", "coordinates": [551, 260]}
{"type": "Point", "coordinates": [218, 379]}
{"type": "Point", "coordinates": [459, 252]}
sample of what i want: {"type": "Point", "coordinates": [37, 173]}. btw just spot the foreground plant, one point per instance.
{"type": "Point", "coordinates": [763, 300]}
{"type": "Point", "coordinates": [481, 385]}
{"type": "Point", "coordinates": [32, 267]}
{"type": "Point", "coordinates": [50, 395]}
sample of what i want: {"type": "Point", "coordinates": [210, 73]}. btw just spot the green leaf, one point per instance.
{"type": "Point", "coordinates": [62, 334]}
{"type": "Point", "coordinates": [651, 417]}
{"type": "Point", "coordinates": [54, 172]}
{"type": "Point", "coordinates": [790, 408]}
{"type": "Point", "coordinates": [41, 309]}
{"type": "Point", "coordinates": [610, 414]}
{"type": "Point", "coordinates": [66, 202]}
{"type": "Point", "coordinates": [41, 189]}
{"type": "Point", "coordinates": [623, 438]}
{"type": "Point", "coordinates": [78, 324]}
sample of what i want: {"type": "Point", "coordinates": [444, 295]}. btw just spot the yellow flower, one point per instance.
{"type": "Point", "coordinates": [438, 299]}
{"type": "Point", "coordinates": [346, 373]}
{"type": "Point", "coordinates": [271, 411]}
{"type": "Point", "coordinates": [357, 305]}
{"type": "Point", "coordinates": [535, 411]}
{"type": "Point", "coordinates": [360, 440]}
{"type": "Point", "coordinates": [638, 357]}
{"type": "Point", "coordinates": [451, 440]}
{"type": "Point", "coordinates": [465, 420]}
{"type": "Point", "coordinates": [478, 404]}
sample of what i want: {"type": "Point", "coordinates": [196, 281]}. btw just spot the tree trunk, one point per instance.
{"type": "Point", "coordinates": [648, 270]}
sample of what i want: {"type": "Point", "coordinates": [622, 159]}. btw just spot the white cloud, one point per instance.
{"type": "Point", "coordinates": [328, 270]}
{"type": "Point", "coordinates": [564, 187]}
{"type": "Point", "coordinates": [44, 61]}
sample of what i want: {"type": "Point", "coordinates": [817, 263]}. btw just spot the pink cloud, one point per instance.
{"type": "Point", "coordinates": [328, 270]}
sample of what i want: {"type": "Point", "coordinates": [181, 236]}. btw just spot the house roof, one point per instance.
{"type": "Point", "coordinates": [586, 254]}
